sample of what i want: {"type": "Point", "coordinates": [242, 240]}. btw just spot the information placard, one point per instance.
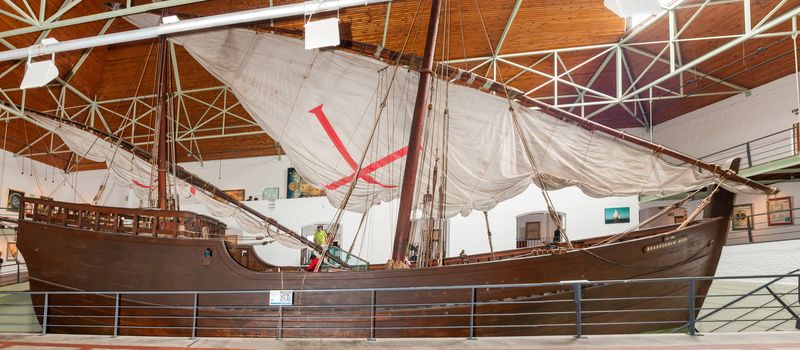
{"type": "Point", "coordinates": [280, 297]}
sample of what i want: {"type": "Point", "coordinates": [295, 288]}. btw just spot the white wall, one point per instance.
{"type": "Point", "coordinates": [728, 123]}
{"type": "Point", "coordinates": [38, 179]}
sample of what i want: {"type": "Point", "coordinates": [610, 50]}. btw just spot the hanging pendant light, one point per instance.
{"type": "Point", "coordinates": [629, 8]}
{"type": "Point", "coordinates": [38, 74]}
{"type": "Point", "coordinates": [322, 33]}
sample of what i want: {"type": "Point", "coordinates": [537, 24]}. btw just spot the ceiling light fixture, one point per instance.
{"type": "Point", "coordinates": [170, 19]}
{"type": "Point", "coordinates": [322, 33]}
{"type": "Point", "coordinates": [630, 8]}
{"type": "Point", "coordinates": [38, 74]}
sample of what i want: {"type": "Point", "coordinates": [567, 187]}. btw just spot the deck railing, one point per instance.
{"type": "Point", "coordinates": [673, 305]}
{"type": "Point", "coordinates": [775, 146]}
{"type": "Point", "coordinates": [13, 272]}
{"type": "Point", "coordinates": [156, 223]}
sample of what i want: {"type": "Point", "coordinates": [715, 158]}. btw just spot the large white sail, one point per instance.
{"type": "Point", "coordinates": [321, 107]}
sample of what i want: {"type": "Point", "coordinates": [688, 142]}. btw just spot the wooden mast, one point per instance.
{"type": "Point", "coordinates": [161, 157]}
{"type": "Point", "coordinates": [414, 140]}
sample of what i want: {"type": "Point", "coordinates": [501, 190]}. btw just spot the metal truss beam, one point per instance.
{"type": "Point", "coordinates": [54, 22]}
{"type": "Point", "coordinates": [634, 85]}
{"type": "Point", "coordinates": [188, 25]}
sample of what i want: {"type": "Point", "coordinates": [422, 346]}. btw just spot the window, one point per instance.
{"type": "Point", "coordinates": [532, 230]}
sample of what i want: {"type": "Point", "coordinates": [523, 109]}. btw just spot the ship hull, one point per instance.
{"type": "Point", "coordinates": [65, 258]}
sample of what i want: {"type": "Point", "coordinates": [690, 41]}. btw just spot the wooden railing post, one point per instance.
{"type": "Point", "coordinates": [135, 225]}
{"type": "Point", "coordinates": [34, 213]}
{"type": "Point", "coordinates": [117, 219]}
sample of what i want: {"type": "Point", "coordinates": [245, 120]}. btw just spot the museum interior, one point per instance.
{"type": "Point", "coordinates": [509, 174]}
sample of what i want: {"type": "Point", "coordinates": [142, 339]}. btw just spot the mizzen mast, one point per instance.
{"type": "Point", "coordinates": [421, 107]}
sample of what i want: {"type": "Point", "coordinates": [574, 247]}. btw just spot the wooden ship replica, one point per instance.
{"type": "Point", "coordinates": [82, 247]}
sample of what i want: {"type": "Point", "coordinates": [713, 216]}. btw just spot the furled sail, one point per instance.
{"type": "Point", "coordinates": [322, 106]}
{"type": "Point", "coordinates": [136, 173]}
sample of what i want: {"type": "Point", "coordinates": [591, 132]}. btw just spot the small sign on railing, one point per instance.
{"type": "Point", "coordinates": [280, 297]}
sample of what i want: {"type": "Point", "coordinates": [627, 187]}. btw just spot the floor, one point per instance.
{"type": "Point", "coordinates": [739, 341]}
{"type": "Point", "coordinates": [767, 258]}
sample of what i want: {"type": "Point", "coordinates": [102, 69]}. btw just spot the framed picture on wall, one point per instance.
{"type": "Point", "coordinates": [11, 251]}
{"type": "Point", "coordinates": [270, 193]}
{"type": "Point", "coordinates": [236, 194]}
{"type": "Point", "coordinates": [621, 215]}
{"type": "Point", "coordinates": [14, 199]}
{"type": "Point", "coordinates": [296, 187]}
{"type": "Point", "coordinates": [779, 211]}
{"type": "Point", "coordinates": [740, 216]}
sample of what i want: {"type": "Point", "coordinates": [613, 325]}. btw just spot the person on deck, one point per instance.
{"type": "Point", "coordinates": [557, 236]}
{"type": "Point", "coordinates": [313, 264]}
{"type": "Point", "coordinates": [335, 250]}
{"type": "Point", "coordinates": [320, 236]}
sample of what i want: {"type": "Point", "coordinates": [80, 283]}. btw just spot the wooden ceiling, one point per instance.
{"type": "Point", "coordinates": [107, 86]}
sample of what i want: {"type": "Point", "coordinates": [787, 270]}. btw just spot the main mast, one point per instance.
{"type": "Point", "coordinates": [161, 157]}
{"type": "Point", "coordinates": [412, 159]}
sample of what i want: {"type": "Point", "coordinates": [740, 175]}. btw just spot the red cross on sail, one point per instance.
{"type": "Point", "coordinates": [365, 171]}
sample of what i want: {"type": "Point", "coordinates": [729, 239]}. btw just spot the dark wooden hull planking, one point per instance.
{"type": "Point", "coordinates": [67, 258]}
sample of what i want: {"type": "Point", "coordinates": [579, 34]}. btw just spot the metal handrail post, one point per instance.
{"type": "Point", "coordinates": [797, 322]}
{"type": "Point", "coordinates": [749, 229]}
{"type": "Point", "coordinates": [44, 313]}
{"type": "Point", "coordinates": [116, 314]}
{"type": "Point", "coordinates": [692, 320]}
{"type": "Point", "coordinates": [576, 292]}
{"type": "Point", "coordinates": [749, 156]}
{"type": "Point", "coordinates": [472, 314]}
{"type": "Point", "coordinates": [372, 316]}
{"type": "Point", "coordinates": [18, 272]}
{"type": "Point", "coordinates": [194, 315]}
{"type": "Point", "coordinates": [280, 322]}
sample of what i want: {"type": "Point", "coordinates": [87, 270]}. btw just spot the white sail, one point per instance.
{"type": "Point", "coordinates": [135, 173]}
{"type": "Point", "coordinates": [321, 105]}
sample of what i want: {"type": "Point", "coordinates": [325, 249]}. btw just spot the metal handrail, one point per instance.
{"type": "Point", "coordinates": [19, 278]}
{"type": "Point", "coordinates": [753, 223]}
{"type": "Point", "coordinates": [464, 314]}
{"type": "Point", "coordinates": [746, 149]}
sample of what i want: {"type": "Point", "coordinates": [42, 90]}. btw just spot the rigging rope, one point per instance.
{"type": "Point", "coordinates": [702, 205]}
{"type": "Point", "coordinates": [383, 102]}
{"type": "Point", "coordinates": [538, 177]}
